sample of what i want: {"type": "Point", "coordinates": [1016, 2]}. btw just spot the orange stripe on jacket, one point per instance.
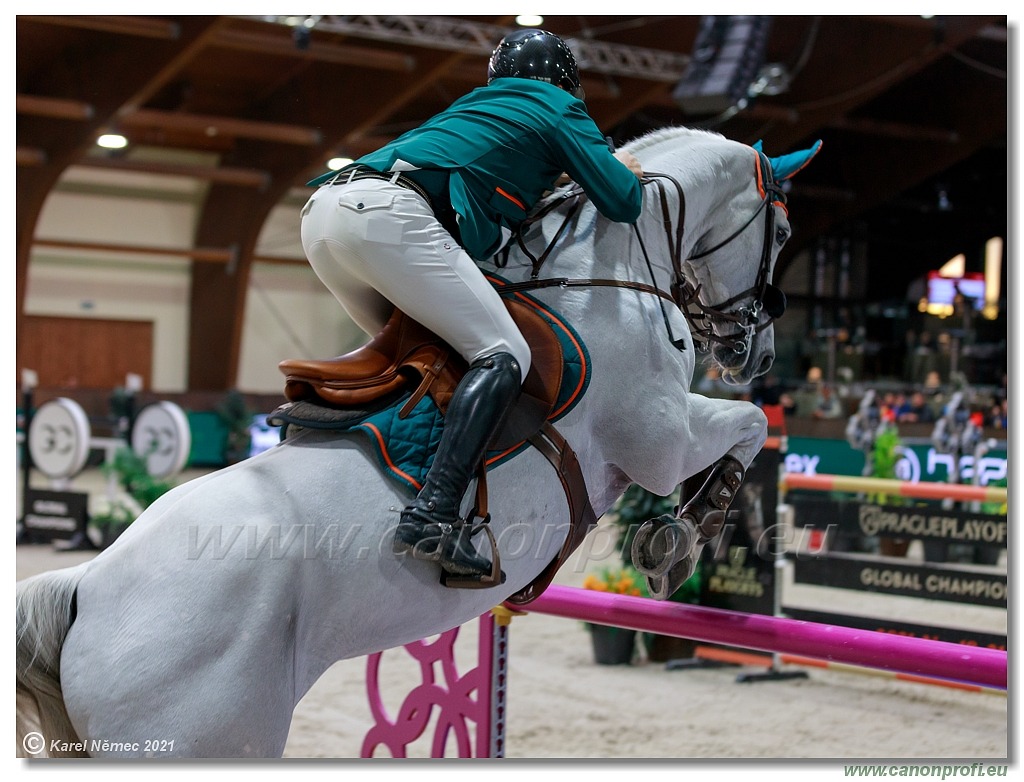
{"type": "Point", "coordinates": [511, 198]}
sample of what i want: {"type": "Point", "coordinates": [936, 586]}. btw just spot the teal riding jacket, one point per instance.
{"type": "Point", "coordinates": [498, 150]}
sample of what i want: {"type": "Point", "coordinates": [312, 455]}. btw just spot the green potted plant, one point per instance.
{"type": "Point", "coordinates": [112, 520]}
{"type": "Point", "coordinates": [613, 645]}
{"type": "Point", "coordinates": [885, 455]}
{"type": "Point", "coordinates": [237, 418]}
{"type": "Point", "coordinates": [140, 488]}
{"type": "Point", "coordinates": [636, 506]}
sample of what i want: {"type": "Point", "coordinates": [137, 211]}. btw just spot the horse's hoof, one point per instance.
{"type": "Point", "coordinates": [663, 587]}
{"type": "Point", "coordinates": [660, 543]}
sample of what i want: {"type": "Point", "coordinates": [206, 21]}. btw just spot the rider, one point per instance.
{"type": "Point", "coordinates": [402, 226]}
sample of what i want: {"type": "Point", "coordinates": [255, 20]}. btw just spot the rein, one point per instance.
{"type": "Point", "coordinates": [684, 295]}
{"type": "Point", "coordinates": [575, 195]}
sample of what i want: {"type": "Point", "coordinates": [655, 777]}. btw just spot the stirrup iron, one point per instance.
{"type": "Point", "coordinates": [476, 580]}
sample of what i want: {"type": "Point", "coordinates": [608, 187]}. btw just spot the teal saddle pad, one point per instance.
{"type": "Point", "coordinates": [405, 447]}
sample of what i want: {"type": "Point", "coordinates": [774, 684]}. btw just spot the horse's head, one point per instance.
{"type": "Point", "coordinates": [733, 302]}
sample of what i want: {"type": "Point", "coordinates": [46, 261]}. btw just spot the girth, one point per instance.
{"type": "Point", "coordinates": [406, 355]}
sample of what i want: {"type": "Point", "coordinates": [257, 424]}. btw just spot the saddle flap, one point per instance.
{"type": "Point", "coordinates": [406, 354]}
{"type": "Point", "coordinates": [388, 362]}
{"type": "Point", "coordinates": [542, 383]}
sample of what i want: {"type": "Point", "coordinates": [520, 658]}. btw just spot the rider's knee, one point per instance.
{"type": "Point", "coordinates": [517, 347]}
{"type": "Point", "coordinates": [521, 352]}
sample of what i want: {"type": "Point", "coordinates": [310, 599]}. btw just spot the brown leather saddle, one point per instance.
{"type": "Point", "coordinates": [405, 355]}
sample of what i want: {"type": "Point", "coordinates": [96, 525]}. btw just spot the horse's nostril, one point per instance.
{"type": "Point", "coordinates": [766, 363]}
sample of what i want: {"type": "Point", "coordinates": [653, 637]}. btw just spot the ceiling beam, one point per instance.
{"type": "Point", "coordinates": [852, 85]}
{"type": "Point", "coordinates": [54, 108]}
{"type": "Point", "coordinates": [227, 175]}
{"type": "Point", "coordinates": [221, 126]}
{"type": "Point", "coordinates": [401, 98]}
{"type": "Point", "coordinates": [141, 26]}
{"type": "Point", "coordinates": [184, 54]}
{"type": "Point", "coordinates": [388, 109]}
{"type": "Point", "coordinates": [318, 50]}
{"type": "Point", "coordinates": [114, 73]}
{"type": "Point", "coordinates": [205, 254]}
{"type": "Point", "coordinates": [30, 156]}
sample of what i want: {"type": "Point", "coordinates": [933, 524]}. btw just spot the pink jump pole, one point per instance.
{"type": "Point", "coordinates": [917, 656]}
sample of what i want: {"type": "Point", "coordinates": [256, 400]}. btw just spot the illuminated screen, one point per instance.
{"type": "Point", "coordinates": [941, 290]}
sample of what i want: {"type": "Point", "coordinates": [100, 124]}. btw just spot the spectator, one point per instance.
{"type": "Point", "coordinates": [933, 382]}
{"type": "Point", "coordinates": [997, 415]}
{"type": "Point", "coordinates": [934, 394]}
{"type": "Point", "coordinates": [891, 404]}
{"type": "Point", "coordinates": [828, 405]}
{"type": "Point", "coordinates": [915, 410]}
{"type": "Point", "coordinates": [808, 397]}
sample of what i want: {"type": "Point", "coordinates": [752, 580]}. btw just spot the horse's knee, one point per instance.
{"type": "Point", "coordinates": [752, 435]}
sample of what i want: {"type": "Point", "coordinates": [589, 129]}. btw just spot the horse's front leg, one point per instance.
{"type": "Point", "coordinates": [666, 549]}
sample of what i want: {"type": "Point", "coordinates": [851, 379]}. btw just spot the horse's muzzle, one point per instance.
{"type": "Point", "coordinates": [738, 370]}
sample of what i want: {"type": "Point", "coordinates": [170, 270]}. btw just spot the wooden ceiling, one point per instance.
{"type": "Point", "coordinates": [906, 107]}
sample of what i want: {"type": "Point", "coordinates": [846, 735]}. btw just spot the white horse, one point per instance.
{"type": "Point", "coordinates": [200, 629]}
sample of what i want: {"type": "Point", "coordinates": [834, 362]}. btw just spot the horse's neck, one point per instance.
{"type": "Point", "coordinates": [700, 181]}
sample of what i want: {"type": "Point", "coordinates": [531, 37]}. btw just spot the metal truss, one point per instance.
{"type": "Point", "coordinates": [460, 35]}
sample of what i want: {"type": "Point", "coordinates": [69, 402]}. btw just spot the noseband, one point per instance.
{"type": "Point", "coordinates": [764, 297]}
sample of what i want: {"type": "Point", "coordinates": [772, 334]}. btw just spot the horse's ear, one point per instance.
{"type": "Point", "coordinates": [786, 166]}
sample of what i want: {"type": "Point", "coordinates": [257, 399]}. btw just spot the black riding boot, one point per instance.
{"type": "Point", "coordinates": [429, 527]}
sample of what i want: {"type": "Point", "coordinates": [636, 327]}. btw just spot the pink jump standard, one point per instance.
{"type": "Point", "coordinates": [479, 696]}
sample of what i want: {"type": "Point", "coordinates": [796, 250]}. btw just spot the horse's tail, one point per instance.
{"type": "Point", "coordinates": [45, 611]}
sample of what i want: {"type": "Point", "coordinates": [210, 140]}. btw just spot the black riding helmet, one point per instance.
{"type": "Point", "coordinates": [536, 54]}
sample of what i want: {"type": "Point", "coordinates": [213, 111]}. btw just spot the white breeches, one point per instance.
{"type": "Point", "coordinates": [377, 246]}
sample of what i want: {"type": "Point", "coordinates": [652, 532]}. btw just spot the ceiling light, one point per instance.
{"type": "Point", "coordinates": [529, 21]}
{"type": "Point", "coordinates": [112, 141]}
{"type": "Point", "coordinates": [336, 163]}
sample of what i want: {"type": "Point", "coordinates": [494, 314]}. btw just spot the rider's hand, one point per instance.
{"type": "Point", "coordinates": [630, 162]}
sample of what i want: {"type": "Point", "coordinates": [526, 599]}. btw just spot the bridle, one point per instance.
{"type": "Point", "coordinates": [764, 297]}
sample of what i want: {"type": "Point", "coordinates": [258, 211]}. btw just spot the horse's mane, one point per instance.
{"type": "Point", "coordinates": [667, 134]}
{"type": "Point", "coordinates": [648, 140]}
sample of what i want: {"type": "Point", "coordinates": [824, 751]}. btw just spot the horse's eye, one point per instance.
{"type": "Point", "coordinates": [781, 235]}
